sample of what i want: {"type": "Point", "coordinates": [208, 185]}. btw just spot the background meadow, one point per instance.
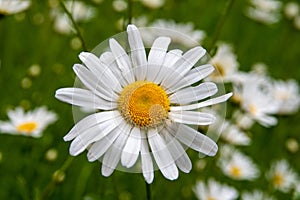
{"type": "Point", "coordinates": [36, 60]}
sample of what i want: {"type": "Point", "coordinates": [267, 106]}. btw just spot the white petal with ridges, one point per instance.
{"type": "Point", "coordinates": [157, 56]}
{"type": "Point", "coordinates": [132, 148]}
{"type": "Point", "coordinates": [122, 60]}
{"type": "Point", "coordinates": [192, 117]}
{"type": "Point", "coordinates": [89, 121]}
{"type": "Point", "coordinates": [147, 164]}
{"type": "Point", "coordinates": [112, 156]}
{"type": "Point", "coordinates": [202, 104]}
{"type": "Point", "coordinates": [137, 52]}
{"type": "Point", "coordinates": [193, 76]}
{"type": "Point", "coordinates": [192, 94]}
{"type": "Point", "coordinates": [83, 98]}
{"type": "Point", "coordinates": [162, 156]}
{"type": "Point", "coordinates": [178, 153]}
{"type": "Point", "coordinates": [195, 139]}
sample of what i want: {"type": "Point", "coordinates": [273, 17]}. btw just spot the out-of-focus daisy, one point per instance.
{"type": "Point", "coordinates": [255, 94]}
{"type": "Point", "coordinates": [264, 11]}
{"type": "Point", "coordinates": [146, 103]}
{"type": "Point", "coordinates": [287, 94]}
{"type": "Point", "coordinates": [80, 11]}
{"type": "Point", "coordinates": [256, 195]}
{"type": "Point", "coordinates": [119, 5]}
{"type": "Point", "coordinates": [236, 165]}
{"type": "Point", "coordinates": [225, 61]}
{"type": "Point", "coordinates": [31, 123]}
{"type": "Point", "coordinates": [291, 9]}
{"type": "Point", "coordinates": [242, 120]}
{"type": "Point", "coordinates": [9, 7]}
{"type": "Point", "coordinates": [282, 176]}
{"type": "Point", "coordinates": [183, 33]}
{"type": "Point", "coordinates": [154, 4]}
{"type": "Point", "coordinates": [214, 191]}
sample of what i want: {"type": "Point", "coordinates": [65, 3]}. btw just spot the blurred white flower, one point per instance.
{"type": "Point", "coordinates": [80, 11]}
{"type": "Point", "coordinates": [182, 33]}
{"type": "Point", "coordinates": [264, 11]}
{"type": "Point", "coordinates": [297, 22]}
{"type": "Point", "coordinates": [242, 120]}
{"type": "Point", "coordinates": [31, 123]}
{"type": "Point", "coordinates": [256, 195]}
{"type": "Point", "coordinates": [9, 7]}
{"type": "Point", "coordinates": [214, 191]}
{"type": "Point", "coordinates": [260, 68]}
{"type": "Point", "coordinates": [119, 5]}
{"type": "Point", "coordinates": [154, 4]}
{"type": "Point", "coordinates": [282, 176]}
{"type": "Point", "coordinates": [255, 94]}
{"type": "Point", "coordinates": [148, 104]}
{"type": "Point", "coordinates": [287, 94]}
{"type": "Point", "coordinates": [225, 62]}
{"type": "Point", "coordinates": [291, 9]}
{"type": "Point", "coordinates": [236, 165]}
{"type": "Point", "coordinates": [233, 135]}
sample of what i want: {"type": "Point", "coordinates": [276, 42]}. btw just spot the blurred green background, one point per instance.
{"type": "Point", "coordinates": [28, 38]}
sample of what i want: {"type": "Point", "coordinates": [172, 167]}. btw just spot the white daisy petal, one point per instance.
{"type": "Point", "coordinates": [132, 148]}
{"type": "Point", "coordinates": [138, 54]}
{"type": "Point", "coordinates": [192, 77]}
{"type": "Point", "coordinates": [82, 141]}
{"type": "Point", "coordinates": [122, 59]}
{"type": "Point", "coordinates": [147, 164]}
{"type": "Point", "coordinates": [183, 66]}
{"type": "Point", "coordinates": [113, 154]}
{"type": "Point", "coordinates": [84, 98]}
{"type": "Point", "coordinates": [170, 58]}
{"type": "Point", "coordinates": [178, 153]}
{"type": "Point", "coordinates": [192, 94]}
{"type": "Point", "coordinates": [195, 140]}
{"type": "Point", "coordinates": [109, 60]}
{"type": "Point", "coordinates": [101, 70]}
{"type": "Point", "coordinates": [202, 104]}
{"type": "Point", "coordinates": [93, 83]}
{"type": "Point", "coordinates": [90, 121]}
{"type": "Point", "coordinates": [157, 56]}
{"type": "Point", "coordinates": [162, 155]}
{"type": "Point", "coordinates": [192, 117]}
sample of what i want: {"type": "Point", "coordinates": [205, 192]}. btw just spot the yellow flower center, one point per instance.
{"type": "Point", "coordinates": [210, 198]}
{"type": "Point", "coordinates": [143, 103]}
{"type": "Point", "coordinates": [27, 127]}
{"type": "Point", "coordinates": [235, 171]}
{"type": "Point", "coordinates": [278, 180]}
{"type": "Point", "coordinates": [220, 70]}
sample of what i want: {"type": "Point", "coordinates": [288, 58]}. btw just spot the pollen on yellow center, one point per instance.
{"type": "Point", "coordinates": [27, 127]}
{"type": "Point", "coordinates": [143, 103]}
{"type": "Point", "coordinates": [235, 171]}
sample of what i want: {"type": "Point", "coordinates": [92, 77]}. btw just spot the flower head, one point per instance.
{"type": "Point", "coordinates": [31, 123]}
{"type": "Point", "coordinates": [9, 7]}
{"type": "Point", "coordinates": [257, 195]}
{"type": "Point", "coordinates": [236, 165]}
{"type": "Point", "coordinates": [214, 191]}
{"type": "Point", "coordinates": [282, 176]}
{"type": "Point", "coordinates": [146, 106]}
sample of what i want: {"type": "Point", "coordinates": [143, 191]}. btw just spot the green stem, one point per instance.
{"type": "Point", "coordinates": [51, 185]}
{"type": "Point", "coordinates": [129, 11]}
{"type": "Point", "coordinates": [79, 35]}
{"type": "Point", "coordinates": [220, 24]}
{"type": "Point", "coordinates": [148, 191]}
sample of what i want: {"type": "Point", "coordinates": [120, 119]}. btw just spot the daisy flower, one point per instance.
{"type": "Point", "coordinates": [154, 4]}
{"type": "Point", "coordinates": [291, 10]}
{"type": "Point", "coordinates": [282, 176]}
{"type": "Point", "coordinates": [180, 33]}
{"type": "Point", "coordinates": [256, 195]}
{"type": "Point", "coordinates": [9, 7]}
{"type": "Point", "coordinates": [225, 61]}
{"type": "Point", "coordinates": [31, 123]}
{"type": "Point", "coordinates": [264, 11]}
{"type": "Point", "coordinates": [287, 94]}
{"type": "Point", "coordinates": [236, 165]}
{"type": "Point", "coordinates": [80, 11]}
{"type": "Point", "coordinates": [147, 106]}
{"type": "Point", "coordinates": [233, 135]}
{"type": "Point", "coordinates": [214, 191]}
{"type": "Point", "coordinates": [255, 95]}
